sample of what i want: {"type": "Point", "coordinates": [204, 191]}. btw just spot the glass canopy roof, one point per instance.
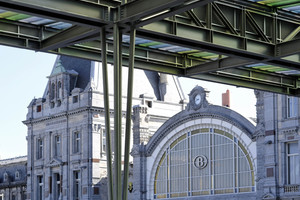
{"type": "Point", "coordinates": [292, 6]}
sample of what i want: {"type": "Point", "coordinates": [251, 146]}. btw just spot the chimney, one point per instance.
{"type": "Point", "coordinates": [226, 99]}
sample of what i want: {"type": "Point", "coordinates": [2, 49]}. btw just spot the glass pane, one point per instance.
{"type": "Point", "coordinates": [292, 148]}
{"type": "Point", "coordinates": [293, 169]}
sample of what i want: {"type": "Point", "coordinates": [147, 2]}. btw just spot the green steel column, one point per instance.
{"type": "Point", "coordinates": [107, 115]}
{"type": "Point", "coordinates": [128, 111]}
{"type": "Point", "coordinates": [117, 115]}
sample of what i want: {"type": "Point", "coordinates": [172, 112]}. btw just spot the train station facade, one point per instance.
{"type": "Point", "coordinates": [180, 149]}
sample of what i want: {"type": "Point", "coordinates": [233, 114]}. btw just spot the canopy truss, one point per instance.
{"type": "Point", "coordinates": [247, 43]}
{"type": "Point", "coordinates": [243, 43]}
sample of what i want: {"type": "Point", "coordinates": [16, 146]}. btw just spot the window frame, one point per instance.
{"type": "Point", "coordinates": [59, 89]}
{"type": "Point", "coordinates": [52, 91]}
{"type": "Point", "coordinates": [17, 175]}
{"type": "Point", "coordinates": [103, 141]}
{"type": "Point", "coordinates": [57, 185]}
{"type": "Point", "coordinates": [292, 156]}
{"type": "Point", "coordinates": [57, 146]}
{"type": "Point", "coordinates": [5, 177]}
{"type": "Point", "coordinates": [39, 148]}
{"type": "Point", "coordinates": [291, 107]}
{"type": "Point", "coordinates": [239, 157]}
{"type": "Point", "coordinates": [76, 185]}
{"type": "Point", "coordinates": [40, 187]}
{"type": "Point", "coordinates": [76, 142]}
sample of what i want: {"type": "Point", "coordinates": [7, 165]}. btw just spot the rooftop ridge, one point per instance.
{"type": "Point", "coordinates": [10, 160]}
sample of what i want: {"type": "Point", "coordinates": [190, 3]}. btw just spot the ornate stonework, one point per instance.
{"type": "Point", "coordinates": [260, 127]}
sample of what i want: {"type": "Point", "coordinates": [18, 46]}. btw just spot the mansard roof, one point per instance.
{"type": "Point", "coordinates": [81, 66]}
{"type": "Point", "coordinates": [58, 68]}
{"type": "Point", "coordinates": [90, 73]}
{"type": "Point", "coordinates": [16, 171]}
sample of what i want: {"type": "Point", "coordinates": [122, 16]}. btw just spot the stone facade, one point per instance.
{"type": "Point", "coordinates": [196, 146]}
{"type": "Point", "coordinates": [66, 130]}
{"type": "Point", "coordinates": [278, 137]}
{"type": "Point", "coordinates": [67, 142]}
{"type": "Point", "coordinates": [13, 178]}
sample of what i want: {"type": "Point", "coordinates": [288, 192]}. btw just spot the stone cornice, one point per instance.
{"type": "Point", "coordinates": [63, 114]}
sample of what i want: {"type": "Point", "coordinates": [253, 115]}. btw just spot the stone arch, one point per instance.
{"type": "Point", "coordinates": [220, 122]}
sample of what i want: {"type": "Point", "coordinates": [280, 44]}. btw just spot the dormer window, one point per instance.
{"type": "Point", "coordinates": [5, 177]}
{"type": "Point", "coordinates": [59, 94]}
{"type": "Point", "coordinates": [39, 108]}
{"type": "Point", "coordinates": [58, 103]}
{"type": "Point", "coordinates": [17, 175]}
{"type": "Point", "coordinates": [52, 92]}
{"type": "Point", "coordinates": [75, 99]}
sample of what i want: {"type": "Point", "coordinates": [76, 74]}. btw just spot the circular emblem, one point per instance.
{"type": "Point", "coordinates": [200, 162]}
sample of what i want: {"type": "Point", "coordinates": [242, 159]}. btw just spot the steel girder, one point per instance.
{"type": "Point", "coordinates": [74, 12]}
{"type": "Point", "coordinates": [239, 32]}
{"type": "Point", "coordinates": [165, 62]}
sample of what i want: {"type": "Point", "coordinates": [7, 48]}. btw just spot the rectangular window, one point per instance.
{"type": "Point", "coordinates": [57, 185]}
{"type": "Point", "coordinates": [39, 145]}
{"type": "Point", "coordinates": [39, 108]}
{"type": "Point", "coordinates": [75, 99]}
{"type": "Point", "coordinates": [293, 166]}
{"type": "Point", "coordinates": [23, 195]}
{"type": "Point", "coordinates": [76, 142]}
{"type": "Point", "coordinates": [103, 141]}
{"type": "Point", "coordinates": [291, 106]}
{"type": "Point", "coordinates": [76, 184]}
{"type": "Point", "coordinates": [39, 187]}
{"type": "Point", "coordinates": [57, 145]}
{"type": "Point", "coordinates": [1, 197]}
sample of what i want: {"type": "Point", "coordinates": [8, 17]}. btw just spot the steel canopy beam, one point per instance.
{"type": "Point", "coordinates": [75, 12]}
{"type": "Point", "coordinates": [224, 38]}
{"type": "Point", "coordinates": [67, 37]}
{"type": "Point", "coordinates": [231, 80]}
{"type": "Point", "coordinates": [219, 42]}
{"type": "Point", "coordinates": [160, 14]}
{"type": "Point", "coordinates": [220, 64]}
{"type": "Point", "coordinates": [138, 10]}
{"type": "Point", "coordinates": [244, 78]}
{"type": "Point", "coordinates": [288, 48]}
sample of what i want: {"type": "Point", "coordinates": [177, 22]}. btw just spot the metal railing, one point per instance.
{"type": "Point", "coordinates": [291, 188]}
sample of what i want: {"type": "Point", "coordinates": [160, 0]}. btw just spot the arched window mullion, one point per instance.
{"type": "Point", "coordinates": [211, 160]}
{"type": "Point", "coordinates": [168, 172]}
{"type": "Point", "coordinates": [222, 175]}
{"type": "Point", "coordinates": [189, 164]}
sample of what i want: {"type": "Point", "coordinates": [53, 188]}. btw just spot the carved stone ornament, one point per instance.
{"type": "Point", "coordinates": [260, 126]}
{"type": "Point", "coordinates": [135, 151]}
{"type": "Point", "coordinates": [268, 196]}
{"type": "Point", "coordinates": [54, 163]}
{"type": "Point", "coordinates": [197, 99]}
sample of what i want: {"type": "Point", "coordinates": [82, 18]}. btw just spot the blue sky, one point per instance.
{"type": "Point", "coordinates": [23, 76]}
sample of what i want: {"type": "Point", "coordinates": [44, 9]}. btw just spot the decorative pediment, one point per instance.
{"type": "Point", "coordinates": [54, 163]}
{"type": "Point", "coordinates": [197, 99]}
{"type": "Point", "coordinates": [268, 196]}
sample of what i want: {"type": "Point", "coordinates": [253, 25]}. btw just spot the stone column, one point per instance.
{"type": "Point", "coordinates": [140, 124]}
